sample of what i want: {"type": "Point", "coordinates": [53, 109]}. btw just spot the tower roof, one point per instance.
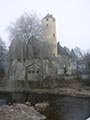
{"type": "Point", "coordinates": [49, 16]}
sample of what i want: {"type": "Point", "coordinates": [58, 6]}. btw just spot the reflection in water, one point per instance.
{"type": "Point", "coordinates": [68, 108]}
{"type": "Point", "coordinates": [64, 108]}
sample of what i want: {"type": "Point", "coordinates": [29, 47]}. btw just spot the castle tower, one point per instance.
{"type": "Point", "coordinates": [50, 32]}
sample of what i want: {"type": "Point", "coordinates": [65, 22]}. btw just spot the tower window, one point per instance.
{"type": "Point", "coordinates": [30, 71]}
{"type": "Point", "coordinates": [53, 20]}
{"type": "Point", "coordinates": [47, 19]}
{"type": "Point", "coordinates": [46, 25]}
{"type": "Point", "coordinates": [53, 34]}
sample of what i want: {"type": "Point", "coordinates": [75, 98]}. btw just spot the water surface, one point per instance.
{"type": "Point", "coordinates": [64, 107]}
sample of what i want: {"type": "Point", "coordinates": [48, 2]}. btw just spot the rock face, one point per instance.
{"type": "Point", "coordinates": [30, 60]}
{"type": "Point", "coordinates": [34, 69]}
{"type": "Point", "coordinates": [19, 112]}
{"type": "Point", "coordinates": [17, 71]}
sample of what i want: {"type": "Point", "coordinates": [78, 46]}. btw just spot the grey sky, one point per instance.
{"type": "Point", "coordinates": [72, 18]}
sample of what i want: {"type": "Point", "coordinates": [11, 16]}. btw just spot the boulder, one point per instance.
{"type": "Point", "coordinates": [19, 112]}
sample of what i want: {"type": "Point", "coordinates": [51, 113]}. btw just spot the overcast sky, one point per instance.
{"type": "Point", "coordinates": [72, 18]}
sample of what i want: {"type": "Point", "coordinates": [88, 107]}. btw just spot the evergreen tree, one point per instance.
{"type": "Point", "coordinates": [3, 54]}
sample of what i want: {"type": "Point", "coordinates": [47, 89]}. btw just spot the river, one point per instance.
{"type": "Point", "coordinates": [64, 107]}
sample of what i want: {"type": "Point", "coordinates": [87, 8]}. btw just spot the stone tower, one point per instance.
{"type": "Point", "coordinates": [50, 32]}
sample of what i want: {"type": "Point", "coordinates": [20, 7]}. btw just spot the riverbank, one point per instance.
{"type": "Point", "coordinates": [75, 87]}
{"type": "Point", "coordinates": [60, 86]}
{"type": "Point", "coordinates": [64, 91]}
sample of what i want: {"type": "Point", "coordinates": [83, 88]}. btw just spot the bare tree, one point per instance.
{"type": "Point", "coordinates": [26, 35]}
{"type": "Point", "coordinates": [78, 53]}
{"type": "Point", "coordinates": [25, 27]}
{"type": "Point", "coordinates": [83, 61]}
{"type": "Point", "coordinates": [87, 61]}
